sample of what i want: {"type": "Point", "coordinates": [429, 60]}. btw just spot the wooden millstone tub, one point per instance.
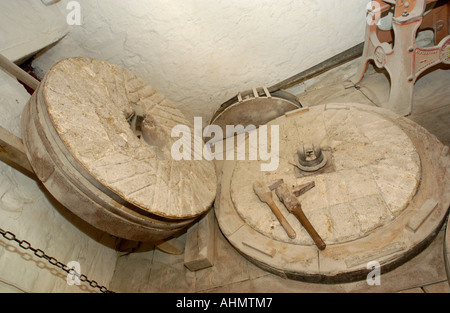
{"type": "Point", "coordinates": [99, 139]}
{"type": "Point", "coordinates": [380, 199]}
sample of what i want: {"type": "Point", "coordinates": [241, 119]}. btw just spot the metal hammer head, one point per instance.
{"type": "Point", "coordinates": [297, 190]}
{"type": "Point", "coordinates": [276, 184]}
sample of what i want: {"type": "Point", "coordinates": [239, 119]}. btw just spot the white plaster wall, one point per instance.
{"type": "Point", "coordinates": [199, 53]}
{"type": "Point", "coordinates": [27, 26]}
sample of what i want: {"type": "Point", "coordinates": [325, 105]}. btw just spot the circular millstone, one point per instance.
{"type": "Point", "coordinates": [372, 201]}
{"type": "Point", "coordinates": [375, 173]}
{"type": "Point", "coordinates": [108, 133]}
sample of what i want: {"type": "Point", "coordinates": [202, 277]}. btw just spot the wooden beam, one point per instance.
{"type": "Point", "coordinates": [18, 73]}
{"type": "Point", "coordinates": [320, 68]}
{"type": "Point", "coordinates": [172, 246]}
{"type": "Point", "coordinates": [12, 152]}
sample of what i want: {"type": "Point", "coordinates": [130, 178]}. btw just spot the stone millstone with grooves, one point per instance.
{"type": "Point", "coordinates": [382, 196]}
{"type": "Point", "coordinates": [99, 138]}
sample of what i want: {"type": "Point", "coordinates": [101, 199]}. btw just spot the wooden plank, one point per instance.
{"type": "Point", "coordinates": [171, 246]}
{"type": "Point", "coordinates": [261, 248]}
{"type": "Point", "coordinates": [375, 255]}
{"type": "Point", "coordinates": [17, 72]}
{"type": "Point", "coordinates": [200, 244]}
{"type": "Point", "coordinates": [441, 287]}
{"type": "Point", "coordinates": [12, 152]}
{"type": "Point", "coordinates": [127, 246]}
{"type": "Point", "coordinates": [296, 112]}
{"type": "Point", "coordinates": [419, 218]}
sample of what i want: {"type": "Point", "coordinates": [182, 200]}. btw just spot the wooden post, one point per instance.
{"type": "Point", "coordinates": [12, 152]}
{"type": "Point", "coordinates": [199, 252]}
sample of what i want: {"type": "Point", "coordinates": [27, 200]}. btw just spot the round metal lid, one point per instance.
{"type": "Point", "coordinates": [254, 107]}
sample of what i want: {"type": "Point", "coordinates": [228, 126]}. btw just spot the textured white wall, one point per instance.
{"type": "Point", "coordinates": [200, 53]}
{"type": "Point", "coordinates": [27, 26]}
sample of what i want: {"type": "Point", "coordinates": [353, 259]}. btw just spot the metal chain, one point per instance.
{"type": "Point", "coordinates": [42, 255]}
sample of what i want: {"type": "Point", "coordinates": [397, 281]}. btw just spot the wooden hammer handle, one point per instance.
{"type": "Point", "coordinates": [265, 195]}
{"type": "Point", "coordinates": [309, 228]}
{"type": "Point", "coordinates": [293, 205]}
{"type": "Point", "coordinates": [283, 221]}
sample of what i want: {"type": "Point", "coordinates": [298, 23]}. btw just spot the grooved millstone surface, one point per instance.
{"type": "Point", "coordinates": [375, 173]}
{"type": "Point", "coordinates": [382, 197]}
{"type": "Point", "coordinates": [88, 102]}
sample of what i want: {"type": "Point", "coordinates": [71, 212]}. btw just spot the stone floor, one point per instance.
{"type": "Point", "coordinates": [153, 271]}
{"type": "Point", "coordinates": [150, 270]}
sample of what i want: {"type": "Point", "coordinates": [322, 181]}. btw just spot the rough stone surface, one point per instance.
{"type": "Point", "coordinates": [349, 202]}
{"type": "Point", "coordinates": [358, 227]}
{"type": "Point", "coordinates": [89, 101]}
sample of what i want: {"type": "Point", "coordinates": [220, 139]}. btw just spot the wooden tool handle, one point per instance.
{"type": "Point", "coordinates": [287, 227]}
{"type": "Point", "coordinates": [293, 205]}
{"type": "Point", "coordinates": [265, 195]}
{"type": "Point", "coordinates": [309, 228]}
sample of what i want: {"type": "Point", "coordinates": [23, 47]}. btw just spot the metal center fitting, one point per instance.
{"type": "Point", "coordinates": [310, 158]}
